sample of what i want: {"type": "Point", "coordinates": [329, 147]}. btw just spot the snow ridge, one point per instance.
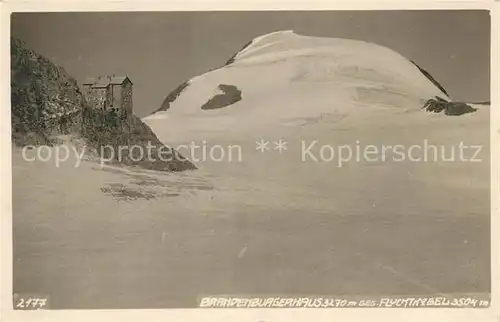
{"type": "Point", "coordinates": [285, 77]}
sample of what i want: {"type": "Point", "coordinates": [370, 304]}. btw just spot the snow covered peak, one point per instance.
{"type": "Point", "coordinates": [262, 42]}
{"type": "Point", "coordinates": [266, 39]}
{"type": "Point", "coordinates": [283, 76]}
{"type": "Point", "coordinates": [274, 35]}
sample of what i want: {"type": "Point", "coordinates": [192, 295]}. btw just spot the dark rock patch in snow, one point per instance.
{"type": "Point", "coordinates": [458, 108]}
{"type": "Point", "coordinates": [232, 59]}
{"type": "Point", "coordinates": [124, 193]}
{"type": "Point", "coordinates": [231, 94]}
{"type": "Point", "coordinates": [439, 104]}
{"type": "Point", "coordinates": [432, 79]}
{"type": "Point", "coordinates": [134, 184]}
{"type": "Point", "coordinates": [172, 97]}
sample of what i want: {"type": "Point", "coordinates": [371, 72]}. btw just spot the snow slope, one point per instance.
{"type": "Point", "coordinates": [336, 92]}
{"type": "Point", "coordinates": [269, 224]}
{"type": "Point", "coordinates": [285, 77]}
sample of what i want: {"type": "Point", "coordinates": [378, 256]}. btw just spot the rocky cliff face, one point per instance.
{"type": "Point", "coordinates": [47, 102]}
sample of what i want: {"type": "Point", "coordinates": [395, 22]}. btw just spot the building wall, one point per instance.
{"type": "Point", "coordinates": [127, 97]}
{"type": "Point", "coordinates": [117, 96]}
{"type": "Point", "coordinates": [109, 97]}
{"type": "Point", "coordinates": [116, 93]}
{"type": "Point", "coordinates": [96, 97]}
{"type": "Point", "coordinates": [87, 89]}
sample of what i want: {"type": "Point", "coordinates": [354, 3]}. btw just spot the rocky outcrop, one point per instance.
{"type": "Point", "coordinates": [47, 102]}
{"type": "Point", "coordinates": [172, 97]}
{"type": "Point", "coordinates": [126, 140]}
{"type": "Point", "coordinates": [431, 79]}
{"type": "Point", "coordinates": [439, 104]}
{"type": "Point", "coordinates": [233, 58]}
{"type": "Point", "coordinates": [230, 95]}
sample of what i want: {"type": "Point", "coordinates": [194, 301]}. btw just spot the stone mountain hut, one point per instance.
{"type": "Point", "coordinates": [109, 92]}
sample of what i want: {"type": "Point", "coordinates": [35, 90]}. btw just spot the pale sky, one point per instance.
{"type": "Point", "coordinates": [162, 49]}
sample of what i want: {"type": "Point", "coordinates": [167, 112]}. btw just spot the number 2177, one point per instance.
{"type": "Point", "coordinates": [30, 303]}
